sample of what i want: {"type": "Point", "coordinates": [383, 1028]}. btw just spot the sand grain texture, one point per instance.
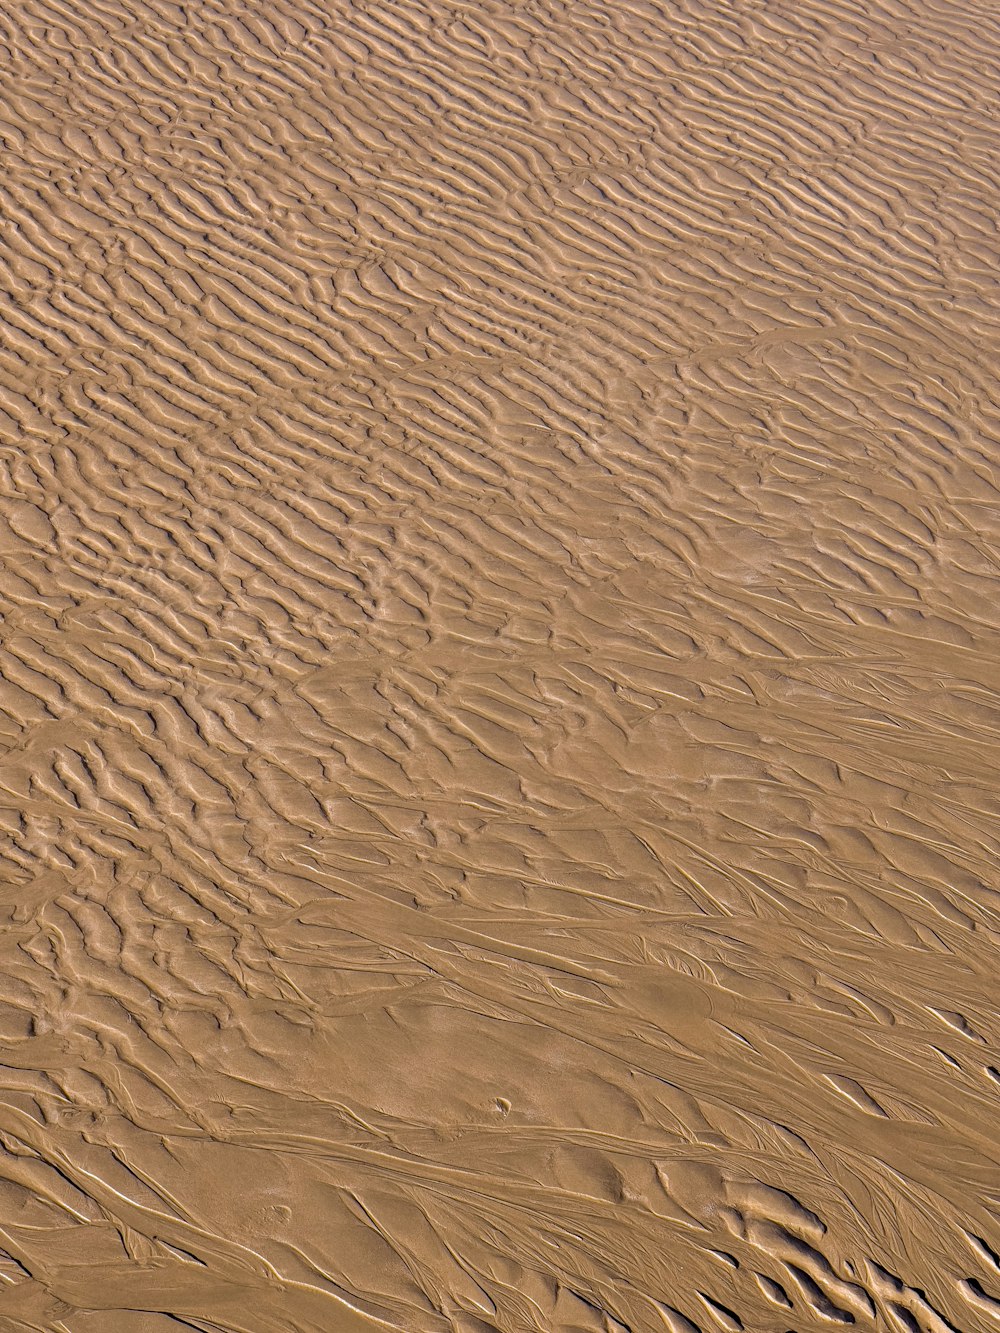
{"type": "Point", "coordinates": [498, 689]}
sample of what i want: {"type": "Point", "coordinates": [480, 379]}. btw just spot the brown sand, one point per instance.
{"type": "Point", "coordinates": [500, 538]}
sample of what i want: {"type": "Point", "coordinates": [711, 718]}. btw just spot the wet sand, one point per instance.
{"type": "Point", "coordinates": [499, 525]}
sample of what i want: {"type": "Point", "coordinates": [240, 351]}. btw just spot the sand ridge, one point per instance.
{"type": "Point", "coordinates": [498, 695]}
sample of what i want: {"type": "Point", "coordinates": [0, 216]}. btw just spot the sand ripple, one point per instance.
{"type": "Point", "coordinates": [499, 537]}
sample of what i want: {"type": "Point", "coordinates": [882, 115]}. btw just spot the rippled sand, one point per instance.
{"type": "Point", "coordinates": [499, 790]}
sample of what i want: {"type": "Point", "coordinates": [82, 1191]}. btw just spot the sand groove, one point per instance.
{"type": "Point", "coordinates": [498, 699]}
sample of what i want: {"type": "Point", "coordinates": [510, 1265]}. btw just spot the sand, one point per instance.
{"type": "Point", "coordinates": [499, 524]}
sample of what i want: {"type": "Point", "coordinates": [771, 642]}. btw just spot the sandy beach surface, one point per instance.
{"type": "Point", "coordinates": [499, 666]}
